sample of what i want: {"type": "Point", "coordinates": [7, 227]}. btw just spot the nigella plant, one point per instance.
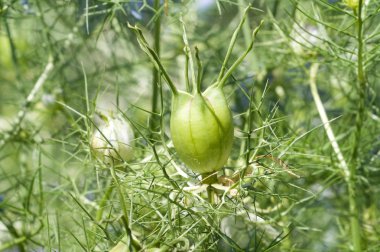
{"type": "Point", "coordinates": [201, 123]}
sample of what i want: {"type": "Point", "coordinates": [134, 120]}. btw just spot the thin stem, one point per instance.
{"type": "Point", "coordinates": [11, 44]}
{"type": "Point", "coordinates": [133, 242]}
{"type": "Point", "coordinates": [156, 74]}
{"type": "Point", "coordinates": [232, 44]}
{"type": "Point", "coordinates": [46, 30]}
{"type": "Point", "coordinates": [360, 118]}
{"type": "Point", "coordinates": [211, 196]}
{"type": "Point", "coordinates": [186, 50]}
{"type": "Point", "coordinates": [103, 202]}
{"type": "Point", "coordinates": [349, 174]}
{"type": "Point", "coordinates": [326, 122]}
{"type": "Point", "coordinates": [26, 106]}
{"type": "Point", "coordinates": [189, 55]}
{"type": "Point", "coordinates": [241, 58]}
{"type": "Point", "coordinates": [17, 241]}
{"type": "Point", "coordinates": [200, 70]}
{"type": "Point", "coordinates": [210, 178]}
{"type": "Point", "coordinates": [246, 29]}
{"type": "Point", "coordinates": [361, 84]}
{"type": "Point", "coordinates": [248, 129]}
{"type": "Point", "coordinates": [153, 57]}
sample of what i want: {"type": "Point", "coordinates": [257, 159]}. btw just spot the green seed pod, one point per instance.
{"type": "Point", "coordinates": [353, 4]}
{"type": "Point", "coordinates": [201, 123]}
{"type": "Point", "coordinates": [202, 129]}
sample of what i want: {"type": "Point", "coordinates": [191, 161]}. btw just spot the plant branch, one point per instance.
{"type": "Point", "coordinates": [156, 74]}
{"type": "Point", "coordinates": [232, 44]}
{"type": "Point", "coordinates": [189, 57]}
{"type": "Point", "coordinates": [241, 58]}
{"type": "Point", "coordinates": [153, 57]}
{"type": "Point", "coordinates": [326, 122]}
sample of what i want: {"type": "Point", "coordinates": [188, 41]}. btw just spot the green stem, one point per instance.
{"type": "Point", "coordinates": [13, 243]}
{"type": "Point", "coordinates": [360, 118]}
{"type": "Point", "coordinates": [11, 43]}
{"type": "Point", "coordinates": [190, 57]}
{"type": "Point", "coordinates": [248, 130]}
{"type": "Point", "coordinates": [209, 178]}
{"type": "Point", "coordinates": [232, 44]}
{"type": "Point", "coordinates": [103, 202]}
{"type": "Point", "coordinates": [210, 196]}
{"type": "Point", "coordinates": [132, 241]}
{"type": "Point", "coordinates": [156, 74]}
{"type": "Point", "coordinates": [354, 216]}
{"type": "Point", "coordinates": [241, 58]}
{"type": "Point", "coordinates": [246, 29]}
{"type": "Point", "coordinates": [18, 239]}
{"type": "Point", "coordinates": [186, 50]}
{"type": "Point", "coordinates": [275, 8]}
{"type": "Point", "coordinates": [200, 70]}
{"type": "Point", "coordinates": [349, 174]}
{"type": "Point", "coordinates": [46, 30]}
{"type": "Point", "coordinates": [153, 57]}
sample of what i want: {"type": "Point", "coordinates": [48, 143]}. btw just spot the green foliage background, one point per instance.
{"type": "Point", "coordinates": [63, 63]}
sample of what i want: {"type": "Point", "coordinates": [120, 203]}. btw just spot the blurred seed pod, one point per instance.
{"type": "Point", "coordinates": [113, 140]}
{"type": "Point", "coordinates": [245, 230]}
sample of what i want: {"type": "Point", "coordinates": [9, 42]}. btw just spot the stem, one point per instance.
{"type": "Point", "coordinates": [17, 241]}
{"type": "Point", "coordinates": [12, 45]}
{"type": "Point", "coordinates": [241, 58]}
{"type": "Point", "coordinates": [190, 57]}
{"type": "Point", "coordinates": [209, 178]}
{"type": "Point", "coordinates": [153, 57]}
{"type": "Point", "coordinates": [349, 174]}
{"type": "Point", "coordinates": [360, 118]}
{"type": "Point", "coordinates": [275, 8]}
{"type": "Point", "coordinates": [248, 129]}
{"type": "Point", "coordinates": [29, 99]}
{"type": "Point", "coordinates": [232, 44]}
{"type": "Point", "coordinates": [325, 121]}
{"type": "Point", "coordinates": [103, 202]}
{"type": "Point", "coordinates": [132, 242]}
{"type": "Point", "coordinates": [186, 50]}
{"type": "Point", "coordinates": [200, 70]}
{"type": "Point", "coordinates": [156, 74]}
{"type": "Point", "coordinates": [246, 29]}
{"type": "Point", "coordinates": [211, 195]}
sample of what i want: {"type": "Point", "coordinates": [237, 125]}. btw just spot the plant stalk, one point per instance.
{"type": "Point", "coordinates": [153, 58]}
{"type": "Point", "coordinates": [189, 60]}
{"type": "Point", "coordinates": [232, 44]}
{"type": "Point", "coordinates": [200, 71]}
{"type": "Point", "coordinates": [132, 242]}
{"type": "Point", "coordinates": [156, 74]}
{"type": "Point", "coordinates": [241, 58]}
{"type": "Point", "coordinates": [360, 118]}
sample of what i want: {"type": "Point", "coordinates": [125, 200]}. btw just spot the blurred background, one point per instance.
{"type": "Point", "coordinates": [66, 64]}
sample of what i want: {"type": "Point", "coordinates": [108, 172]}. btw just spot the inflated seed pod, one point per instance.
{"type": "Point", "coordinates": [112, 140]}
{"type": "Point", "coordinates": [201, 122]}
{"type": "Point", "coordinates": [202, 130]}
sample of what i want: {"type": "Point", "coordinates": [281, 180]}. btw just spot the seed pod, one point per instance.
{"type": "Point", "coordinates": [202, 129]}
{"type": "Point", "coordinates": [113, 140]}
{"type": "Point", "coordinates": [242, 228]}
{"type": "Point", "coordinates": [201, 123]}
